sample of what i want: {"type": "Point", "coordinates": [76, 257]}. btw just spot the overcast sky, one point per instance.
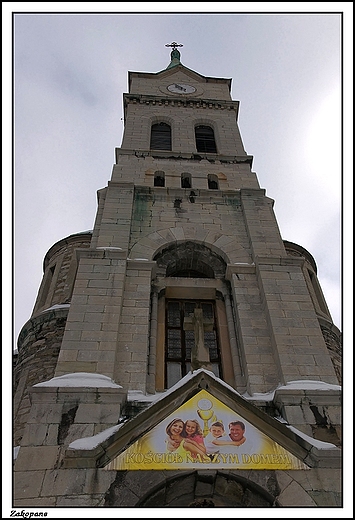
{"type": "Point", "coordinates": [70, 71]}
{"type": "Point", "coordinates": [69, 74]}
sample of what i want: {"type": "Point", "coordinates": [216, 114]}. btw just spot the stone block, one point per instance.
{"type": "Point", "coordinates": [52, 435]}
{"type": "Point", "coordinates": [27, 485]}
{"type": "Point", "coordinates": [98, 481]}
{"type": "Point", "coordinates": [44, 413]}
{"type": "Point", "coordinates": [121, 496]}
{"type": "Point", "coordinates": [80, 501]}
{"type": "Point", "coordinates": [325, 498]}
{"type": "Point", "coordinates": [335, 414]}
{"type": "Point", "coordinates": [283, 479]}
{"type": "Point", "coordinates": [293, 414]}
{"type": "Point", "coordinates": [76, 366]}
{"type": "Point", "coordinates": [107, 357]}
{"type": "Point", "coordinates": [228, 489]}
{"type": "Point", "coordinates": [105, 368]}
{"type": "Point", "coordinates": [67, 355]}
{"type": "Point", "coordinates": [35, 434]}
{"type": "Point", "coordinates": [79, 431]}
{"type": "Point", "coordinates": [326, 479]}
{"type": "Point", "coordinates": [144, 481]}
{"type": "Point", "coordinates": [33, 458]}
{"type": "Point", "coordinates": [35, 502]}
{"type": "Point", "coordinates": [98, 413]}
{"type": "Point", "coordinates": [203, 489]}
{"type": "Point", "coordinates": [308, 414]}
{"type": "Point", "coordinates": [65, 482]}
{"type": "Point", "coordinates": [295, 496]}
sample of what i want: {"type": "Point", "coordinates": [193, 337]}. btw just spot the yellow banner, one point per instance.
{"type": "Point", "coordinates": [205, 433]}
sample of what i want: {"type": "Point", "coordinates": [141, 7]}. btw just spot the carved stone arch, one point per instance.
{"type": "Point", "coordinates": [205, 121]}
{"type": "Point", "coordinates": [150, 246]}
{"type": "Point", "coordinates": [181, 258]}
{"type": "Point", "coordinates": [163, 118]}
{"type": "Point", "coordinates": [191, 489]}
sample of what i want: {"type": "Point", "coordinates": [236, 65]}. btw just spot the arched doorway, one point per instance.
{"type": "Point", "coordinates": [208, 489]}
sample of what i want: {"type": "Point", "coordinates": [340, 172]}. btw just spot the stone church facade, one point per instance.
{"type": "Point", "coordinates": [183, 286]}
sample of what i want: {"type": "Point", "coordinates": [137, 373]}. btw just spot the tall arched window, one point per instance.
{"type": "Point", "coordinates": [205, 141]}
{"type": "Point", "coordinates": [160, 137]}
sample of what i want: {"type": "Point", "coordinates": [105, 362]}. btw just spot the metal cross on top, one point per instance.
{"type": "Point", "coordinates": [174, 45]}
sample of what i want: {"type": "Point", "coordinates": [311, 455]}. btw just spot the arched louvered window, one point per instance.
{"type": "Point", "coordinates": [159, 178]}
{"type": "Point", "coordinates": [212, 182]}
{"type": "Point", "coordinates": [160, 138]}
{"type": "Point", "coordinates": [205, 141]}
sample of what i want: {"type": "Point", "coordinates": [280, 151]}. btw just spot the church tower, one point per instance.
{"type": "Point", "coordinates": [184, 285]}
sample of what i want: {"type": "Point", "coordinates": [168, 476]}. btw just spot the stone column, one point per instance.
{"type": "Point", "coordinates": [235, 350]}
{"type": "Point", "coordinates": [152, 355]}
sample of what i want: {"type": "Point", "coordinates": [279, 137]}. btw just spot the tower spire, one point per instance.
{"type": "Point", "coordinates": [175, 54]}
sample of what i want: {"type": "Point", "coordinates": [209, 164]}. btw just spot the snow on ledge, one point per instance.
{"type": "Point", "coordinates": [58, 306]}
{"type": "Point", "coordinates": [81, 379]}
{"type": "Point", "coordinates": [139, 396]}
{"type": "Point", "coordinates": [307, 384]}
{"type": "Point", "coordinates": [16, 449]}
{"type": "Point", "coordinates": [321, 445]}
{"type": "Point", "coordinates": [190, 375]}
{"type": "Point", "coordinates": [110, 248]}
{"type": "Point", "coordinates": [303, 384]}
{"type": "Point", "coordinates": [82, 232]}
{"type": "Point", "coordinates": [89, 443]}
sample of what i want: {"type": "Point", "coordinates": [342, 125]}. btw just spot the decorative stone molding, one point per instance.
{"type": "Point", "coordinates": [178, 102]}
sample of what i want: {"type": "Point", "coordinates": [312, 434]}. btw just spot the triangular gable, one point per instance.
{"type": "Point", "coordinates": [181, 71]}
{"type": "Point", "coordinates": [281, 447]}
{"type": "Point", "coordinates": [157, 450]}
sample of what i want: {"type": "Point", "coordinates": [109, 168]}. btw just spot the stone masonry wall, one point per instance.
{"type": "Point", "coordinates": [232, 174]}
{"type": "Point", "coordinates": [90, 338]}
{"type": "Point", "coordinates": [40, 339]}
{"type": "Point", "coordinates": [38, 350]}
{"type": "Point", "coordinates": [59, 272]}
{"type": "Point", "coordinates": [333, 340]}
{"type": "Point", "coordinates": [132, 355]}
{"type": "Point", "coordinates": [183, 120]}
{"type": "Point", "coordinates": [216, 221]}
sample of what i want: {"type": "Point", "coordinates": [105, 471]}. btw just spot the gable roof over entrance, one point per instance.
{"type": "Point", "coordinates": [189, 395]}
